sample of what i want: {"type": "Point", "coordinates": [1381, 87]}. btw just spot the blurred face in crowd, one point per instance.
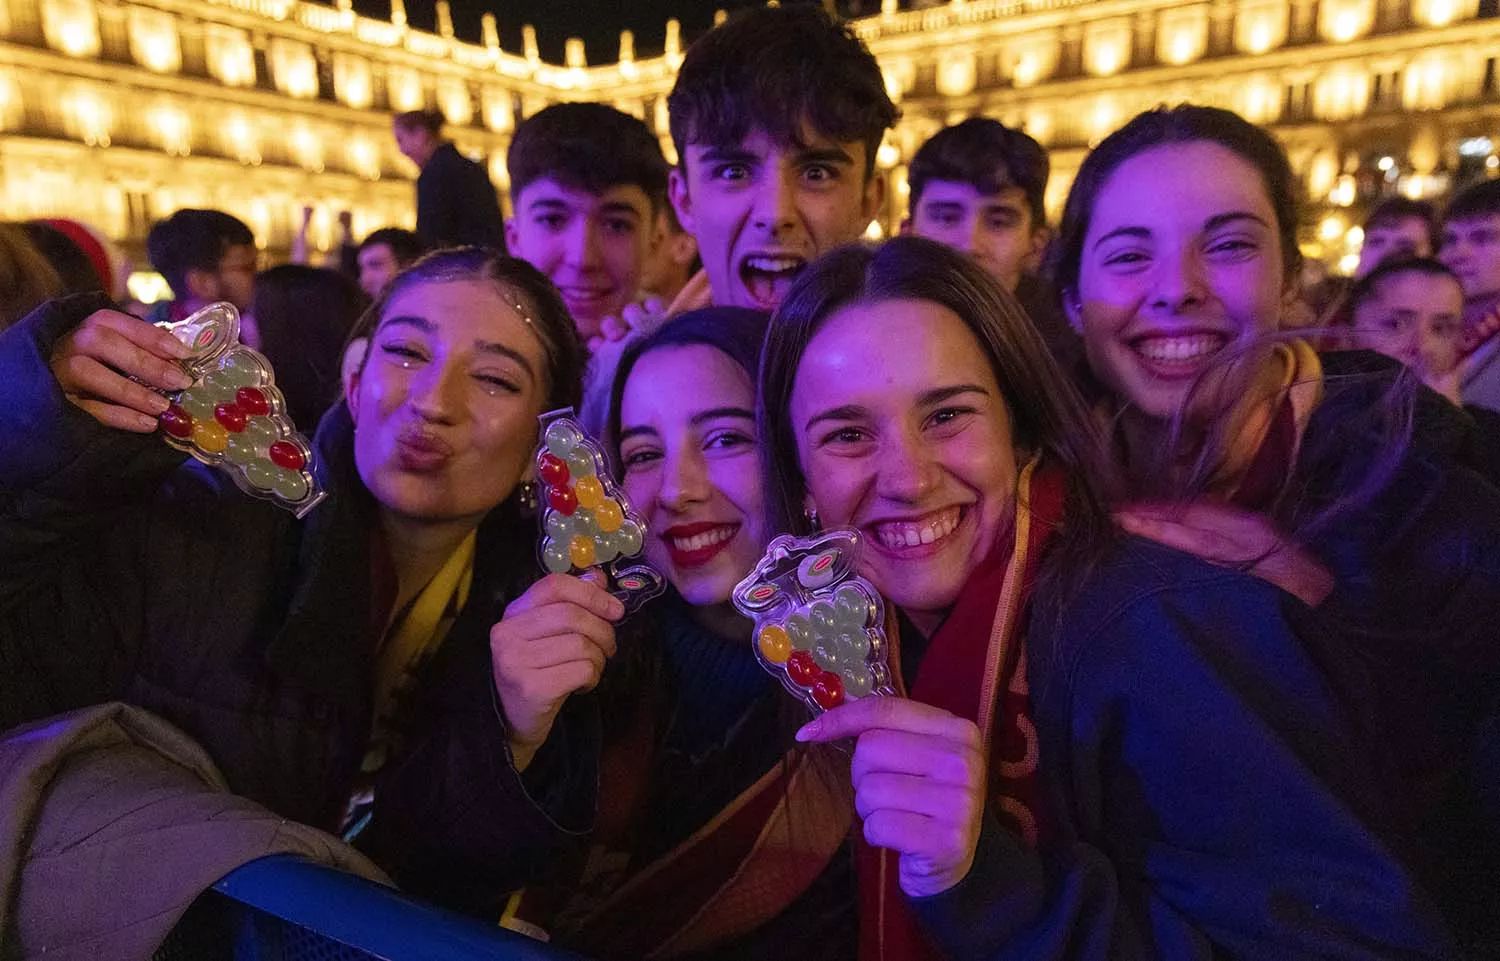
{"type": "Point", "coordinates": [688, 449]}
{"type": "Point", "coordinates": [995, 229]}
{"type": "Point", "coordinates": [232, 280]}
{"type": "Point", "coordinates": [593, 247]}
{"type": "Point", "coordinates": [1471, 249]}
{"type": "Point", "coordinates": [445, 406]}
{"type": "Point", "coordinates": [1416, 318]}
{"type": "Point", "coordinates": [416, 144]}
{"type": "Point", "coordinates": [1407, 237]}
{"type": "Point", "coordinates": [905, 436]}
{"type": "Point", "coordinates": [1181, 263]}
{"type": "Point", "coordinates": [762, 211]}
{"type": "Point", "coordinates": [378, 264]}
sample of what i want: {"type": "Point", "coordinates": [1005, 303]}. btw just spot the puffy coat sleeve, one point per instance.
{"type": "Point", "coordinates": [1212, 800]}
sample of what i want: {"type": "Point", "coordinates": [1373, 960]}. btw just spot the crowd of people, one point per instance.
{"type": "Point", "coordinates": [1193, 572]}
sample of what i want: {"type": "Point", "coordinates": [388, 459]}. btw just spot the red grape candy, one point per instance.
{"type": "Point", "coordinates": [231, 417]}
{"type": "Point", "coordinates": [554, 472]}
{"type": "Point", "coordinates": [828, 690]}
{"type": "Point", "coordinates": [563, 500]}
{"type": "Point", "coordinates": [802, 669]}
{"type": "Point", "coordinates": [288, 455]}
{"type": "Point", "coordinates": [252, 401]}
{"type": "Point", "coordinates": [177, 422]}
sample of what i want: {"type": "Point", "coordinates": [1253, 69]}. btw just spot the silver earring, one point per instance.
{"type": "Point", "coordinates": [811, 515]}
{"type": "Point", "coordinates": [530, 500]}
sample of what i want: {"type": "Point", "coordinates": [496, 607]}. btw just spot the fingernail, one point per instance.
{"type": "Point", "coordinates": [160, 403]}
{"type": "Point", "coordinates": [177, 380]}
{"type": "Point", "coordinates": [145, 422]}
{"type": "Point", "coordinates": [618, 608]}
{"type": "Point", "coordinates": [808, 731]}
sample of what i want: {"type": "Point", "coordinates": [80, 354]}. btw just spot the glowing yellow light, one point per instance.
{"type": "Point", "coordinates": [1341, 93]}
{"type": "Point", "coordinates": [307, 149]}
{"type": "Point", "coordinates": [497, 109]}
{"type": "Point", "coordinates": [499, 173]}
{"type": "Point", "coordinates": [453, 98]}
{"type": "Point", "coordinates": [1348, 264]}
{"type": "Point", "coordinates": [230, 56]}
{"type": "Point", "coordinates": [404, 85]}
{"type": "Point", "coordinates": [293, 68]}
{"type": "Point", "coordinates": [1260, 25]}
{"type": "Point", "coordinates": [1343, 192]}
{"type": "Point", "coordinates": [1331, 229]}
{"type": "Point", "coordinates": [1426, 83]}
{"type": "Point", "coordinates": [11, 108]}
{"type": "Point", "coordinates": [71, 26]}
{"type": "Point", "coordinates": [351, 80]}
{"type": "Point", "coordinates": [1106, 46]}
{"type": "Point", "coordinates": [240, 139]}
{"type": "Point", "coordinates": [364, 157]}
{"type": "Point", "coordinates": [1440, 13]}
{"type": "Point", "coordinates": [1182, 34]}
{"type": "Point", "coordinates": [888, 155]}
{"type": "Point", "coordinates": [153, 40]}
{"type": "Point", "coordinates": [173, 130]}
{"type": "Point", "coordinates": [148, 287]}
{"type": "Point", "coordinates": [1103, 119]}
{"type": "Point", "coordinates": [1038, 124]}
{"type": "Point", "coordinates": [1260, 100]}
{"type": "Point", "coordinates": [1343, 20]}
{"type": "Point", "coordinates": [1354, 237]}
{"type": "Point", "coordinates": [89, 117]}
{"type": "Point", "coordinates": [956, 75]}
{"type": "Point", "coordinates": [874, 233]}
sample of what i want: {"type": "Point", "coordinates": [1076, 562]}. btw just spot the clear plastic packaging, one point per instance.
{"type": "Point", "coordinates": [819, 627]}
{"type": "Point", "coordinates": [586, 520]}
{"type": "Point", "coordinates": [234, 418]}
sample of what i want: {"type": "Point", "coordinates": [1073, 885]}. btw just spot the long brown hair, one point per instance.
{"type": "Point", "coordinates": [1048, 416]}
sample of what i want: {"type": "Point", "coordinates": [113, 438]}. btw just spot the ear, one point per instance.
{"type": "Point", "coordinates": [905, 228]}
{"type": "Point", "coordinates": [1073, 309]}
{"type": "Point", "coordinates": [201, 284]}
{"type": "Point", "coordinates": [874, 196]}
{"type": "Point", "coordinates": [684, 249]}
{"type": "Point", "coordinates": [353, 360]}
{"type": "Point", "coordinates": [659, 232]}
{"type": "Point", "coordinates": [1040, 237]}
{"type": "Point", "coordinates": [681, 200]}
{"type": "Point", "coordinates": [512, 236]}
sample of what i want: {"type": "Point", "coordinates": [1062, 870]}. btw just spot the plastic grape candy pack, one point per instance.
{"type": "Point", "coordinates": [818, 626]}
{"type": "Point", "coordinates": [586, 520]}
{"type": "Point", "coordinates": [234, 418]}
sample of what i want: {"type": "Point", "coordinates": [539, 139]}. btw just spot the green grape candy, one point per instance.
{"type": "Point", "coordinates": [855, 644]}
{"type": "Point", "coordinates": [823, 619]}
{"type": "Point", "coordinates": [631, 538]}
{"type": "Point", "coordinates": [289, 485]}
{"type": "Point", "coordinates": [606, 547]}
{"type": "Point", "coordinates": [852, 608]}
{"type": "Point", "coordinates": [555, 556]}
{"type": "Point", "coordinates": [827, 657]}
{"type": "Point", "coordinates": [197, 402]}
{"type": "Point", "coordinates": [242, 370]}
{"type": "Point", "coordinates": [218, 387]}
{"type": "Point", "coordinates": [242, 451]}
{"type": "Point", "coordinates": [261, 475]}
{"type": "Point", "coordinates": [560, 526]}
{"type": "Point", "coordinates": [585, 523]}
{"type": "Point", "coordinates": [581, 463]}
{"type": "Point", "coordinates": [562, 438]}
{"type": "Point", "coordinates": [858, 682]}
{"type": "Point", "coordinates": [261, 430]}
{"type": "Point", "coordinates": [800, 630]}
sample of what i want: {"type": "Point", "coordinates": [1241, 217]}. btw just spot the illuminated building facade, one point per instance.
{"type": "Point", "coordinates": [119, 111]}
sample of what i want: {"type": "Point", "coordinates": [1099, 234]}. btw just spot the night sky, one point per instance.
{"type": "Point", "coordinates": [598, 22]}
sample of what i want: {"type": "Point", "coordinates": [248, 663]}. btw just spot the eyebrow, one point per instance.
{"type": "Point", "coordinates": [697, 420]}
{"type": "Point", "coordinates": [829, 155]}
{"type": "Point", "coordinates": [1212, 223]}
{"type": "Point", "coordinates": [553, 203]}
{"type": "Point", "coordinates": [482, 346]}
{"type": "Point", "coordinates": [928, 399]}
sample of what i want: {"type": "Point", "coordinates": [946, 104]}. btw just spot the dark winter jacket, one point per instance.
{"type": "Point", "coordinates": [456, 203]}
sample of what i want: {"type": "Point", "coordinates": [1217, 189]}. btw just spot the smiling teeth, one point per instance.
{"type": "Point", "coordinates": [774, 265]}
{"type": "Point", "coordinates": [1176, 350]}
{"type": "Point", "coordinates": [699, 541]}
{"type": "Point", "coordinates": [901, 534]}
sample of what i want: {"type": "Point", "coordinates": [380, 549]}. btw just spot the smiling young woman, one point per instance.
{"type": "Point", "coordinates": [1087, 714]}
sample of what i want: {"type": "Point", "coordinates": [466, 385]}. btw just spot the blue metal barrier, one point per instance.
{"type": "Point", "coordinates": [287, 909]}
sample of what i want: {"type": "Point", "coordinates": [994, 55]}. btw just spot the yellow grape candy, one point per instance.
{"type": "Point", "coordinates": [590, 492]}
{"type": "Point", "coordinates": [609, 516]}
{"type": "Point", "coordinates": [210, 436]}
{"type": "Point", "coordinates": [581, 551]}
{"type": "Point", "coordinates": [775, 644]}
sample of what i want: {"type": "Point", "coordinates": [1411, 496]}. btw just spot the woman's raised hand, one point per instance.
{"type": "Point", "coordinates": [552, 642]}
{"type": "Point", "coordinates": [919, 781]}
{"type": "Point", "coordinates": [94, 365]}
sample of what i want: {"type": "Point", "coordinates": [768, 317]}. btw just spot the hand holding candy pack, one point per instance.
{"type": "Point", "coordinates": [818, 626]}
{"type": "Point", "coordinates": [586, 519]}
{"type": "Point", "coordinates": [234, 418]}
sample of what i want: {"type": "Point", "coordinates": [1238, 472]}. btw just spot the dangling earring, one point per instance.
{"type": "Point", "coordinates": [530, 500]}
{"type": "Point", "coordinates": [811, 515]}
